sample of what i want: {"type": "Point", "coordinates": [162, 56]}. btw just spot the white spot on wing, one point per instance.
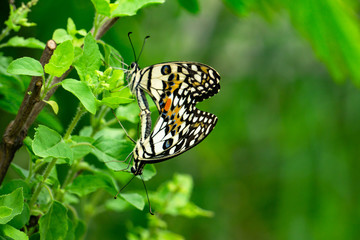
{"type": "Point", "coordinates": [197, 77]}
{"type": "Point", "coordinates": [172, 150]}
{"type": "Point", "coordinates": [197, 130]}
{"type": "Point", "coordinates": [181, 101]}
{"type": "Point", "coordinates": [176, 100]}
{"type": "Point", "coordinates": [211, 73]}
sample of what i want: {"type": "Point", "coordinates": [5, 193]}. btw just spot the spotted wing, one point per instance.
{"type": "Point", "coordinates": [190, 81]}
{"type": "Point", "coordinates": [176, 133]}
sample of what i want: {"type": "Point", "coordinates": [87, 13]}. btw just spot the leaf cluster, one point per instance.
{"type": "Point", "coordinates": [71, 178]}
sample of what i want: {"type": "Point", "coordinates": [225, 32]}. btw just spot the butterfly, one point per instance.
{"type": "Point", "coordinates": [176, 88]}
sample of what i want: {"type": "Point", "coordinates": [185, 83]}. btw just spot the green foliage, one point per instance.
{"type": "Point", "coordinates": [122, 8]}
{"type": "Point", "coordinates": [285, 138]}
{"type": "Point", "coordinates": [17, 18]}
{"type": "Point", "coordinates": [17, 41]}
{"type": "Point", "coordinates": [11, 205]}
{"type": "Point", "coordinates": [72, 178]}
{"type": "Point", "coordinates": [13, 213]}
{"type": "Point", "coordinates": [48, 143]}
{"type": "Point", "coordinates": [54, 224]}
{"type": "Point", "coordinates": [90, 60]}
{"type": "Point", "coordinates": [26, 66]}
{"type": "Point", "coordinates": [337, 46]}
{"type": "Point", "coordinates": [86, 184]}
{"type": "Point", "coordinates": [173, 198]}
{"type": "Point", "coordinates": [12, 233]}
{"type": "Point", "coordinates": [83, 92]}
{"type": "Point", "coordinates": [71, 33]}
{"type": "Point", "coordinates": [190, 5]}
{"type": "Point", "coordinates": [61, 59]}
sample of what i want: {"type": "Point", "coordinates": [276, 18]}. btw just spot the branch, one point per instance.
{"type": "Point", "coordinates": [16, 131]}
{"type": "Point", "coordinates": [32, 106]}
{"type": "Point", "coordinates": [105, 27]}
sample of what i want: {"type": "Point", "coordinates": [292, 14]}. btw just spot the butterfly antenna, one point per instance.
{"type": "Point", "coordinates": [123, 127]}
{"type": "Point", "coordinates": [124, 186]}
{"type": "Point", "coordinates": [150, 211]}
{"type": "Point", "coordinates": [132, 46]}
{"type": "Point", "coordinates": [142, 48]}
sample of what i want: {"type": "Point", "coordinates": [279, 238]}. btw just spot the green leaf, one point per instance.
{"type": "Point", "coordinates": [82, 92]}
{"type": "Point", "coordinates": [9, 80]}
{"type": "Point", "coordinates": [134, 199]}
{"type": "Point", "coordinates": [5, 212]}
{"type": "Point", "coordinates": [190, 5]}
{"type": "Point", "coordinates": [61, 35]}
{"type": "Point", "coordinates": [20, 220]}
{"type": "Point", "coordinates": [117, 79]}
{"type": "Point", "coordinates": [130, 7]}
{"type": "Point", "coordinates": [85, 184]}
{"type": "Point", "coordinates": [26, 66]}
{"type": "Point", "coordinates": [173, 197]}
{"type": "Point", "coordinates": [110, 133]}
{"type": "Point", "coordinates": [18, 17]}
{"type": "Point", "coordinates": [112, 56]}
{"type": "Point", "coordinates": [114, 102]}
{"type": "Point", "coordinates": [48, 143]}
{"type": "Point", "coordinates": [47, 118]}
{"type": "Point", "coordinates": [12, 205]}
{"type": "Point", "coordinates": [12, 233]}
{"type": "Point", "coordinates": [112, 151]}
{"type": "Point", "coordinates": [17, 41]}
{"type": "Point", "coordinates": [81, 146]}
{"type": "Point", "coordinates": [54, 224]}
{"type": "Point", "coordinates": [61, 59]}
{"type": "Point", "coordinates": [117, 205]}
{"type": "Point", "coordinates": [148, 172]}
{"type": "Point", "coordinates": [80, 229]}
{"type": "Point", "coordinates": [167, 235]}
{"type": "Point", "coordinates": [129, 112]}
{"type": "Point", "coordinates": [102, 7]}
{"type": "Point", "coordinates": [54, 105]}
{"type": "Point", "coordinates": [23, 173]}
{"type": "Point", "coordinates": [14, 184]}
{"type": "Point", "coordinates": [191, 210]}
{"type": "Point", "coordinates": [90, 61]}
{"type": "Point", "coordinates": [71, 28]}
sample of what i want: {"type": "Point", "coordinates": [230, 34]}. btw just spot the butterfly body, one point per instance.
{"type": "Point", "coordinates": [176, 88]}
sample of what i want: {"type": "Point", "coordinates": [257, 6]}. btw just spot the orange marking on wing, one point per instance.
{"type": "Point", "coordinates": [177, 122]}
{"type": "Point", "coordinates": [204, 69]}
{"type": "Point", "coordinates": [167, 104]}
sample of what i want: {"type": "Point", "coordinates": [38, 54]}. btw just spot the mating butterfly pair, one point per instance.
{"type": "Point", "coordinates": [176, 88]}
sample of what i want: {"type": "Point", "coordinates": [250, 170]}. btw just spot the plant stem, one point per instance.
{"type": "Point", "coordinates": [4, 33]}
{"type": "Point", "coordinates": [72, 171]}
{"type": "Point", "coordinates": [70, 175]}
{"type": "Point", "coordinates": [39, 186]}
{"type": "Point", "coordinates": [79, 113]}
{"type": "Point", "coordinates": [97, 121]}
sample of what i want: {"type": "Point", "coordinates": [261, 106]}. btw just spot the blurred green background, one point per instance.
{"type": "Point", "coordinates": [283, 160]}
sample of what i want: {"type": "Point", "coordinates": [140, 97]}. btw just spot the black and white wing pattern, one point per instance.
{"type": "Point", "coordinates": [175, 132]}
{"type": "Point", "coordinates": [176, 88]}
{"type": "Point", "coordinates": [178, 79]}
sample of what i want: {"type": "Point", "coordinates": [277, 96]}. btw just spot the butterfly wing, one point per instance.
{"type": "Point", "coordinates": [186, 80]}
{"type": "Point", "coordinates": [176, 87]}
{"type": "Point", "coordinates": [174, 135]}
